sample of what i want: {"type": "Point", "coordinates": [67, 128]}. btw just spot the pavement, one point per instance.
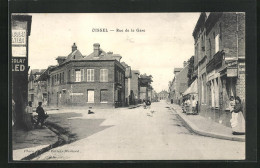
{"type": "Point", "coordinates": [206, 127]}
{"type": "Point", "coordinates": [27, 142]}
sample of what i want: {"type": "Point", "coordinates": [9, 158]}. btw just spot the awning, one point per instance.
{"type": "Point", "coordinates": [193, 89]}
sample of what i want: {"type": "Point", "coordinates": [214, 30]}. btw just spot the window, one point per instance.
{"type": "Point", "coordinates": [90, 96]}
{"type": "Point", "coordinates": [78, 75]}
{"type": "Point", "coordinates": [90, 75]}
{"type": "Point", "coordinates": [104, 96]}
{"type": "Point", "coordinates": [63, 80]}
{"type": "Point", "coordinates": [103, 75]}
{"type": "Point", "coordinates": [217, 43]}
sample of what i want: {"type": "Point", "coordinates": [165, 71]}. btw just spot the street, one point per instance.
{"type": "Point", "coordinates": [136, 134]}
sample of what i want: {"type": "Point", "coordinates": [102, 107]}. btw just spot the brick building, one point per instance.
{"type": "Point", "coordinates": [219, 62]}
{"type": "Point", "coordinates": [96, 80]}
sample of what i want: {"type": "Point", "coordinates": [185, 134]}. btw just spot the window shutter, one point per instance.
{"type": "Point", "coordinates": [73, 75]}
{"type": "Point", "coordinates": [82, 74]}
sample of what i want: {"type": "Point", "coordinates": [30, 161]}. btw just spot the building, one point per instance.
{"type": "Point", "coordinates": [96, 80]}
{"type": "Point", "coordinates": [179, 83]}
{"type": "Point", "coordinates": [220, 62]}
{"type": "Point", "coordinates": [37, 90]}
{"type": "Point", "coordinates": [163, 95]}
{"type": "Point", "coordinates": [145, 88]}
{"type": "Point", "coordinates": [134, 82]}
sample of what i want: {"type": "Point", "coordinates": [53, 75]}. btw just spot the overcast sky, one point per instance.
{"type": "Point", "coordinates": [165, 44]}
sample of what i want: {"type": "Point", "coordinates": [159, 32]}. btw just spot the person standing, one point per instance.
{"type": "Point", "coordinates": [193, 105]}
{"type": "Point", "coordinates": [237, 120]}
{"type": "Point", "coordinates": [41, 115]}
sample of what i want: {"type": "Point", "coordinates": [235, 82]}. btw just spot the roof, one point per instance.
{"type": "Point", "coordinates": [136, 72]}
{"type": "Point", "coordinates": [61, 57]}
{"type": "Point", "coordinates": [45, 74]}
{"type": "Point", "coordinates": [103, 56]}
{"type": "Point", "coordinates": [75, 55]}
{"type": "Point", "coordinates": [37, 71]}
{"type": "Point", "coordinates": [177, 69]}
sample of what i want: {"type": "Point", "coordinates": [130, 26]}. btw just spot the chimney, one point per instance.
{"type": "Point", "coordinates": [110, 53]}
{"type": "Point", "coordinates": [74, 47]}
{"type": "Point", "coordinates": [185, 63]}
{"type": "Point", "coordinates": [96, 49]}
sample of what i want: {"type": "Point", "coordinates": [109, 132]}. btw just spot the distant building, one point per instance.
{"type": "Point", "coordinates": [163, 95]}
{"type": "Point", "coordinates": [37, 90]}
{"type": "Point", "coordinates": [97, 80]}
{"type": "Point", "coordinates": [179, 83]}
{"type": "Point", "coordinates": [135, 86]}
{"type": "Point", "coordinates": [145, 88]}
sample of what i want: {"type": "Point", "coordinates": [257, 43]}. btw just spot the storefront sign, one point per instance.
{"type": "Point", "coordinates": [18, 64]}
{"type": "Point", "coordinates": [231, 72]}
{"type": "Point", "coordinates": [19, 51]}
{"type": "Point", "coordinates": [18, 37]}
{"type": "Point", "coordinates": [233, 63]}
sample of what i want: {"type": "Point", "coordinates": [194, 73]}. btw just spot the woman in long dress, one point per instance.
{"type": "Point", "coordinates": [237, 120]}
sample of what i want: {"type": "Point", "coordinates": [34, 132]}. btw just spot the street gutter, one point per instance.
{"type": "Point", "coordinates": [64, 137]}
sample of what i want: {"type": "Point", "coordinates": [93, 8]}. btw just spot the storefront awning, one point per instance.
{"type": "Point", "coordinates": [193, 89]}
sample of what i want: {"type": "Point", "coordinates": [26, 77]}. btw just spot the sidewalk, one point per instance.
{"type": "Point", "coordinates": [206, 127]}
{"type": "Point", "coordinates": [28, 142]}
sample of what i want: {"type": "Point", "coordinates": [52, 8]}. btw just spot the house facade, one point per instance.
{"type": "Point", "coordinates": [37, 90]}
{"type": "Point", "coordinates": [219, 62]}
{"type": "Point", "coordinates": [96, 80]}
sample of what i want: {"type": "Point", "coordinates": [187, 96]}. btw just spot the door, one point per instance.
{"type": "Point", "coordinates": [90, 96]}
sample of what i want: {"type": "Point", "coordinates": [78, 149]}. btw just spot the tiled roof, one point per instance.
{"type": "Point", "coordinates": [75, 55]}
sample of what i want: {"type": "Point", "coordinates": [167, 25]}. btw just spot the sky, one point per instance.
{"type": "Point", "coordinates": [166, 43]}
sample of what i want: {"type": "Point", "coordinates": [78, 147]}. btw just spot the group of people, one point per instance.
{"type": "Point", "coordinates": [190, 107]}
{"type": "Point", "coordinates": [146, 103]}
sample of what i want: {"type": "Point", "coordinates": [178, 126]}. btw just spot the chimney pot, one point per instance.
{"type": "Point", "coordinates": [96, 47]}
{"type": "Point", "coordinates": [74, 47]}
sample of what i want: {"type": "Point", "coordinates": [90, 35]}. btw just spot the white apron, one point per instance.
{"type": "Point", "coordinates": [238, 122]}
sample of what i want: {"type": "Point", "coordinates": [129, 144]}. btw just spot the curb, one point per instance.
{"type": "Point", "coordinates": [198, 131]}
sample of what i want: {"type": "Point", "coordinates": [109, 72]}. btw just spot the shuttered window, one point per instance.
{"type": "Point", "coordinates": [103, 75]}
{"type": "Point", "coordinates": [90, 75]}
{"type": "Point", "coordinates": [78, 75]}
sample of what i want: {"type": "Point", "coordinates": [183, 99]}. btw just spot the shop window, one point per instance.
{"type": "Point", "coordinates": [103, 75]}
{"type": "Point", "coordinates": [90, 75]}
